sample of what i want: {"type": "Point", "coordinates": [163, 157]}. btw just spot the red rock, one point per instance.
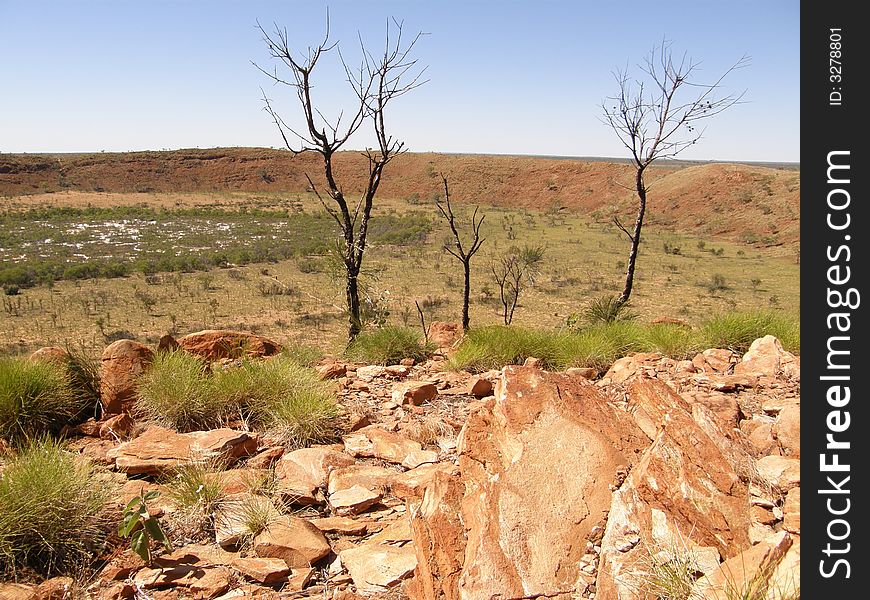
{"type": "Point", "coordinates": [411, 484]}
{"type": "Point", "coordinates": [479, 387]}
{"type": "Point", "coordinates": [787, 430]}
{"type": "Point", "coordinates": [708, 511]}
{"type": "Point", "coordinates": [377, 568]}
{"type": "Point", "coordinates": [295, 540]}
{"type": "Point", "coordinates": [353, 500]}
{"type": "Point", "coordinates": [415, 393]}
{"type": "Point", "coordinates": [215, 344]}
{"type": "Point", "coordinates": [16, 591]}
{"type": "Point", "coordinates": [52, 354]}
{"type": "Point", "coordinates": [439, 538]}
{"type": "Point", "coordinates": [525, 521]}
{"type": "Point", "coordinates": [715, 360]}
{"type": "Point", "coordinates": [780, 472]}
{"type": "Point", "coordinates": [302, 472]}
{"type": "Point", "coordinates": [116, 427]}
{"type": "Point", "coordinates": [371, 477]}
{"type": "Point", "coordinates": [341, 525]}
{"type": "Point", "coordinates": [56, 588]}
{"type": "Point", "coordinates": [444, 334]}
{"type": "Point", "coordinates": [791, 510]}
{"type": "Point", "coordinates": [121, 365]}
{"type": "Point", "coordinates": [377, 443]}
{"type": "Point", "coordinates": [266, 458]}
{"type": "Point", "coordinates": [584, 372]}
{"type": "Point", "coordinates": [263, 570]}
{"type": "Point", "coordinates": [745, 575]}
{"type": "Point", "coordinates": [201, 581]}
{"type": "Point", "coordinates": [765, 357]}
{"type": "Point", "coordinates": [159, 449]}
{"type": "Point", "coordinates": [332, 370]}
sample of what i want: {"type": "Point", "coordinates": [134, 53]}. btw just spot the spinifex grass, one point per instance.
{"type": "Point", "coordinates": [388, 345]}
{"type": "Point", "coordinates": [275, 393]}
{"type": "Point", "coordinates": [36, 397]}
{"type": "Point", "coordinates": [50, 504]}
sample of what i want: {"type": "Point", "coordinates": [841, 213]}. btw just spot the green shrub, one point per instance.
{"type": "Point", "coordinates": [50, 503]}
{"type": "Point", "coordinates": [495, 346]}
{"type": "Point", "coordinates": [293, 400]}
{"type": "Point", "coordinates": [387, 345]}
{"type": "Point", "coordinates": [175, 392]}
{"type": "Point", "coordinates": [196, 486]}
{"type": "Point", "coordinates": [36, 398]}
{"type": "Point", "coordinates": [607, 309]}
{"type": "Point", "coordinates": [736, 331]}
{"type": "Point", "coordinates": [275, 393]}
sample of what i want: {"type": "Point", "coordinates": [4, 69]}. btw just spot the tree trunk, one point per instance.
{"type": "Point", "coordinates": [353, 307]}
{"type": "Point", "coordinates": [635, 237]}
{"type": "Point", "coordinates": [466, 295]}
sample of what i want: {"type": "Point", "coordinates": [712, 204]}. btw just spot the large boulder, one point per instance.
{"type": "Point", "coordinates": [159, 450]}
{"type": "Point", "coordinates": [766, 357]}
{"type": "Point", "coordinates": [683, 492]}
{"type": "Point", "coordinates": [301, 473]}
{"type": "Point", "coordinates": [537, 462]}
{"type": "Point", "coordinates": [121, 365]}
{"type": "Point", "coordinates": [214, 344]}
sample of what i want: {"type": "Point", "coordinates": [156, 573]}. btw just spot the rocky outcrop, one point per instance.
{"type": "Point", "coordinates": [527, 523]}
{"type": "Point", "coordinates": [121, 365]}
{"type": "Point", "coordinates": [682, 492]}
{"type": "Point", "coordinates": [215, 344]}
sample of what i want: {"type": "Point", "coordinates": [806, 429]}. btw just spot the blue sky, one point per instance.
{"type": "Point", "coordinates": [508, 77]}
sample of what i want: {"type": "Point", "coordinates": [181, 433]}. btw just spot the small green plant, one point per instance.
{"type": "Point", "coordinates": [607, 309]}
{"type": "Point", "coordinates": [197, 486]}
{"type": "Point", "coordinates": [138, 525]}
{"type": "Point", "coordinates": [717, 283]}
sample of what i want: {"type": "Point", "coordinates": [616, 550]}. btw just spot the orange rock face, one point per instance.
{"type": "Point", "coordinates": [214, 344]}
{"type": "Point", "coordinates": [121, 365]}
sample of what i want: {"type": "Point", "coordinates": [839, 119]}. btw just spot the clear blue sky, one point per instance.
{"type": "Point", "coordinates": [509, 77]}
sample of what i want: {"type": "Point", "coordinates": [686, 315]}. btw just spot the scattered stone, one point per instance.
{"type": "Point", "coordinates": [371, 477]}
{"type": "Point", "coordinates": [56, 588]}
{"type": "Point", "coordinates": [115, 428]}
{"type": "Point", "coordinates": [263, 570]}
{"type": "Point", "coordinates": [341, 525]}
{"type": "Point", "coordinates": [375, 442]}
{"type": "Point", "coordinates": [417, 458]}
{"type": "Point", "coordinates": [444, 334]}
{"type": "Point", "coordinates": [780, 472]}
{"type": "Point", "coordinates": [266, 458]}
{"type": "Point", "coordinates": [201, 581]}
{"type": "Point", "coordinates": [353, 500]}
{"type": "Point", "coordinates": [764, 357]}
{"type": "Point", "coordinates": [332, 370]}
{"type": "Point", "coordinates": [159, 449]}
{"type": "Point", "coordinates": [215, 344]}
{"type": "Point", "coordinates": [415, 393]}
{"type": "Point", "coordinates": [398, 371]}
{"type": "Point", "coordinates": [377, 568]}
{"type": "Point", "coordinates": [295, 540]}
{"type": "Point", "coordinates": [370, 372]}
{"type": "Point", "coordinates": [52, 354]}
{"type": "Point", "coordinates": [302, 472]}
{"type": "Point", "coordinates": [715, 360]}
{"type": "Point", "coordinates": [121, 365]}
{"type": "Point", "coordinates": [16, 591]}
{"type": "Point", "coordinates": [479, 387]}
{"type": "Point", "coordinates": [791, 510]}
{"type": "Point", "coordinates": [746, 574]}
{"type": "Point", "coordinates": [584, 372]}
{"type": "Point", "coordinates": [788, 430]}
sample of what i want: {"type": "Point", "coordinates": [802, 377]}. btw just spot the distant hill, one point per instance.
{"type": "Point", "coordinates": [753, 203]}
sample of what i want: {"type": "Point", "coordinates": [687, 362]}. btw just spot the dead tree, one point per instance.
{"type": "Point", "coordinates": [462, 253]}
{"type": "Point", "coordinates": [379, 80]}
{"type": "Point", "coordinates": [511, 271]}
{"type": "Point", "coordinates": [656, 117]}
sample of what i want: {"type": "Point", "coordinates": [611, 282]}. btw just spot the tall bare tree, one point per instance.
{"type": "Point", "coordinates": [462, 253]}
{"type": "Point", "coordinates": [379, 79]}
{"type": "Point", "coordinates": [656, 116]}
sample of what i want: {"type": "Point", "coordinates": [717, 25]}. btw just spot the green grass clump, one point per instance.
{"type": "Point", "coordinates": [175, 392]}
{"type": "Point", "coordinates": [196, 486]}
{"type": "Point", "coordinates": [387, 345]}
{"type": "Point", "coordinates": [598, 346]}
{"type": "Point", "coordinates": [495, 346]}
{"type": "Point", "coordinates": [50, 505]}
{"type": "Point", "coordinates": [276, 393]}
{"type": "Point", "coordinates": [36, 397]}
{"type": "Point", "coordinates": [736, 331]}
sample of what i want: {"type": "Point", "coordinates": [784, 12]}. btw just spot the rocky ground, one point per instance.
{"type": "Point", "coordinates": [519, 483]}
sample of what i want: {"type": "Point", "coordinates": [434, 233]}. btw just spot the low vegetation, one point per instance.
{"type": "Point", "coordinates": [178, 390]}
{"type": "Point", "coordinates": [40, 397]}
{"type": "Point", "coordinates": [598, 346]}
{"type": "Point", "coordinates": [388, 345]}
{"type": "Point", "coordinates": [50, 511]}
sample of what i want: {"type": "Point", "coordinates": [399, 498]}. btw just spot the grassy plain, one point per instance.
{"type": "Point", "coordinates": [296, 297]}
